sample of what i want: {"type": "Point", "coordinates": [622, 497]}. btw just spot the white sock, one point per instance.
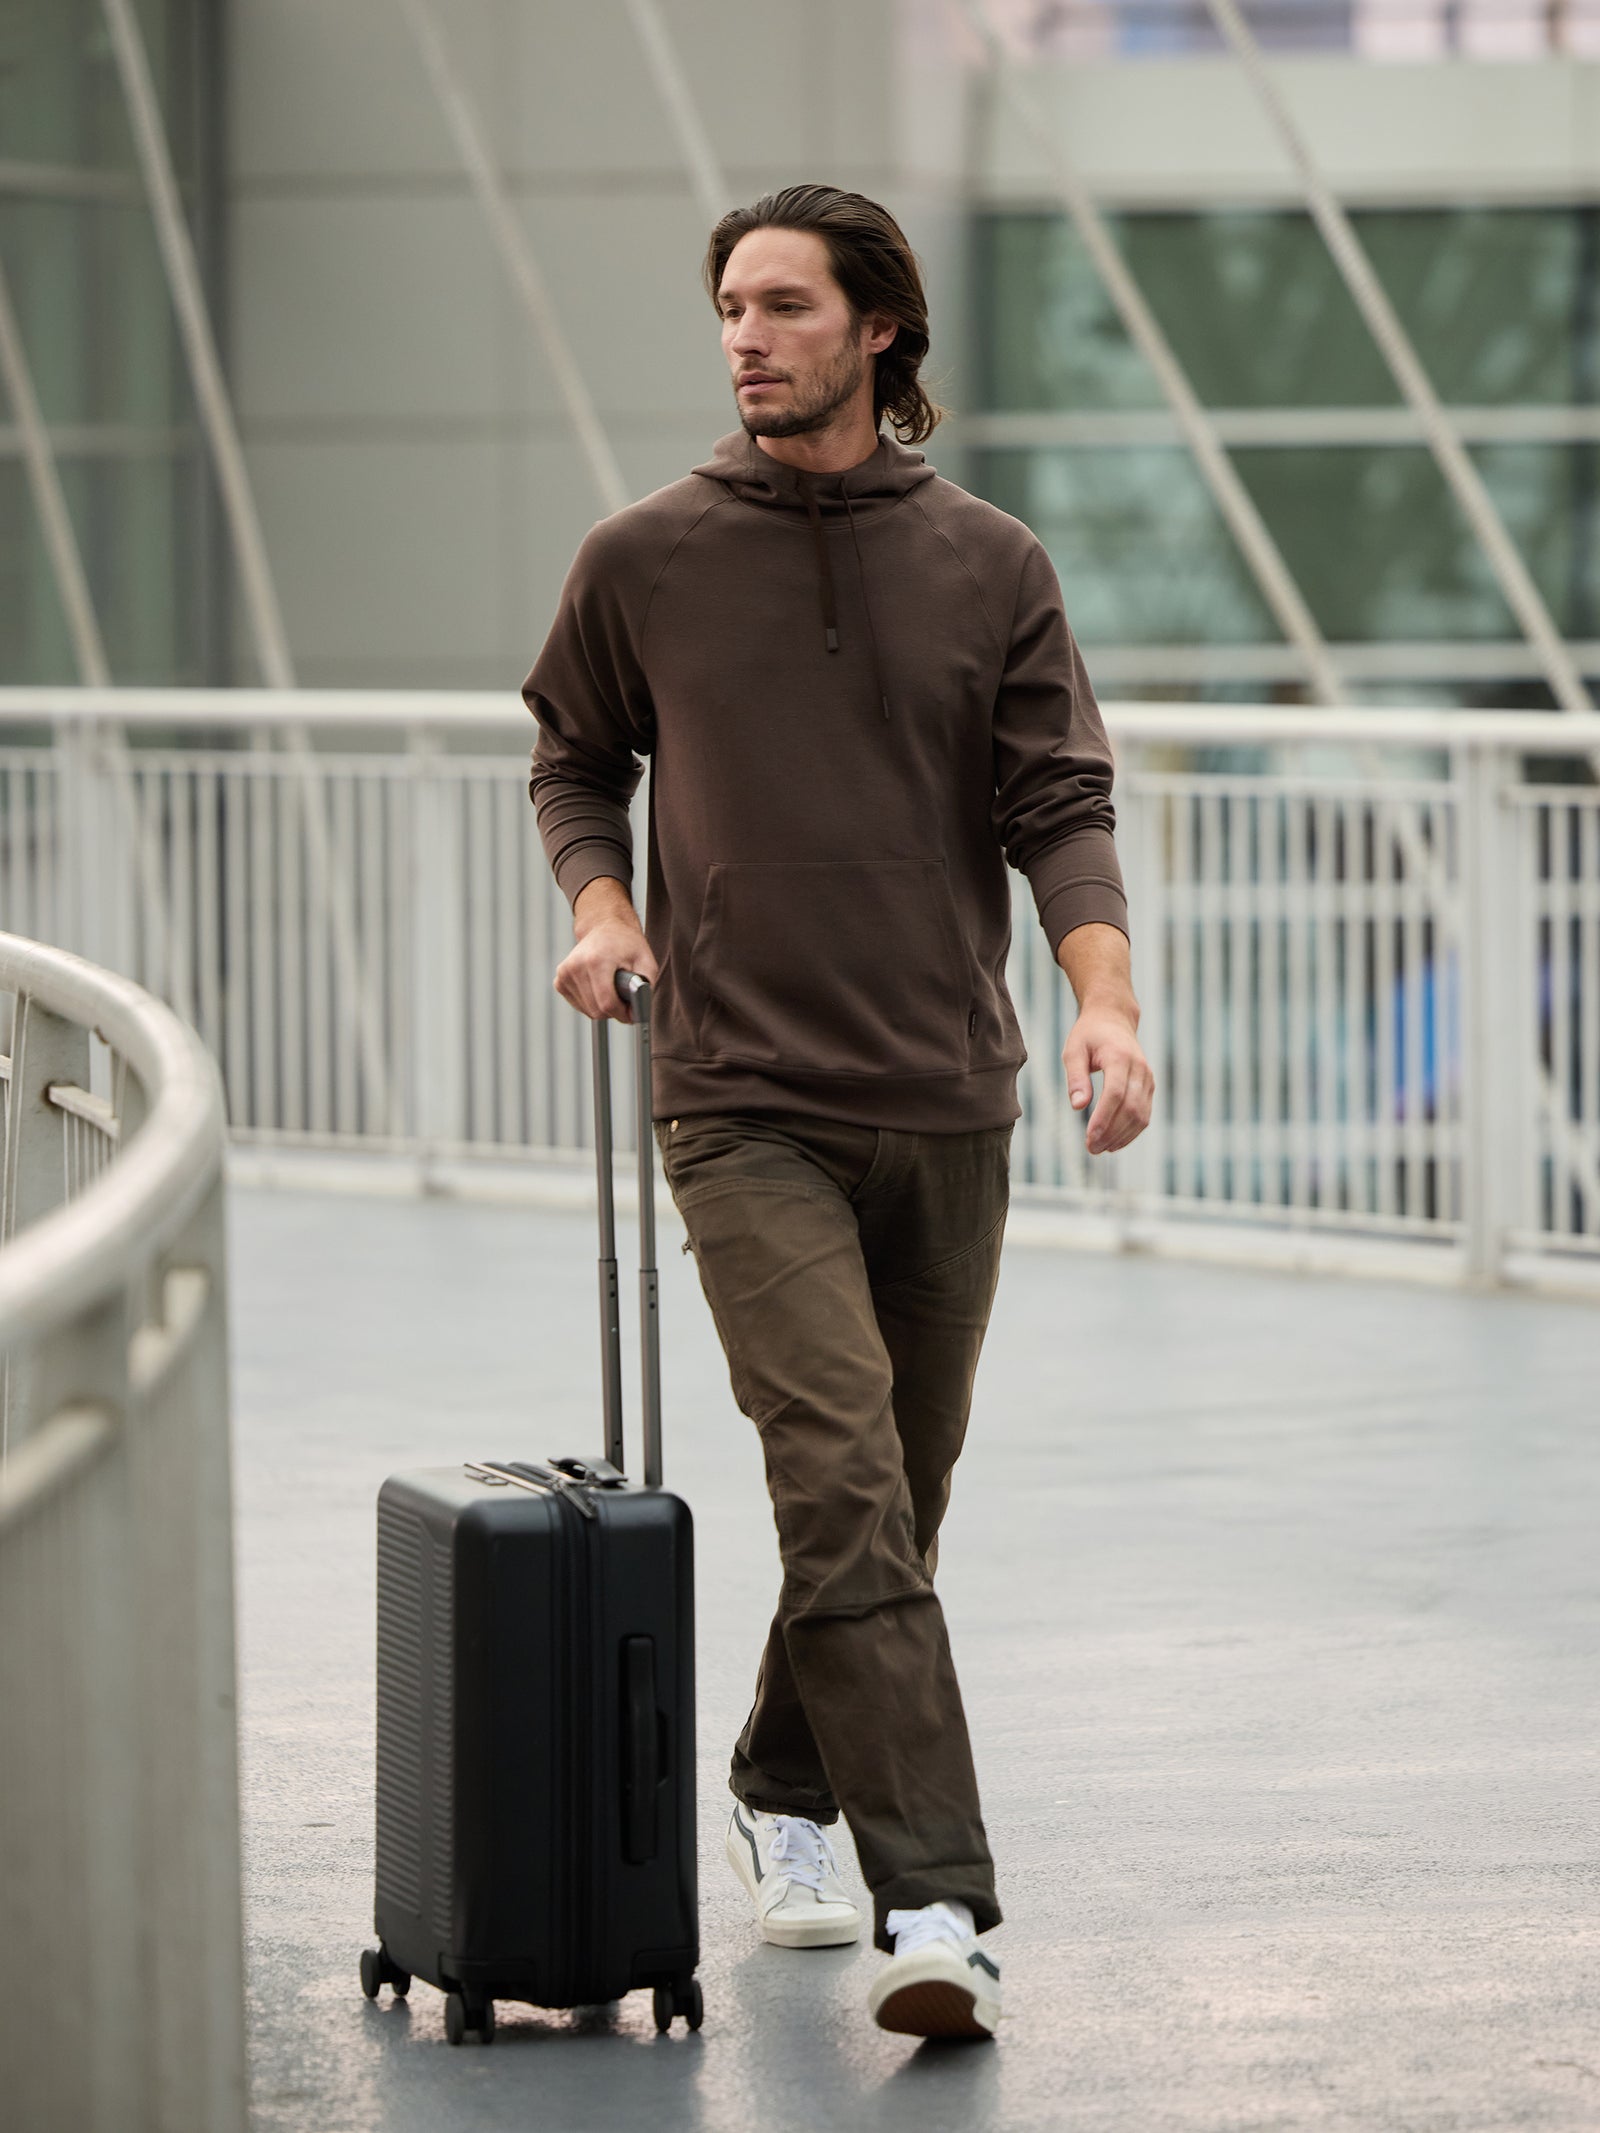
{"type": "Point", "coordinates": [931, 1921]}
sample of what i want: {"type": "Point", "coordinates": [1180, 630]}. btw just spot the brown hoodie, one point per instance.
{"type": "Point", "coordinates": [860, 698]}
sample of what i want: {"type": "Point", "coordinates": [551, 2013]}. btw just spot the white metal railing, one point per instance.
{"type": "Point", "coordinates": [121, 1978]}
{"type": "Point", "coordinates": [1368, 948]}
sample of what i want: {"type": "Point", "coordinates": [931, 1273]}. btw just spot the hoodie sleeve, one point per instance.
{"type": "Point", "coordinates": [588, 693]}
{"type": "Point", "coordinates": [1052, 766]}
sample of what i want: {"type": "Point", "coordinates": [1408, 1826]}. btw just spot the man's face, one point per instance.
{"type": "Point", "coordinates": [796, 354]}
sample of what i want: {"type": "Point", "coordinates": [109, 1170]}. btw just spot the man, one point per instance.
{"type": "Point", "coordinates": [860, 697]}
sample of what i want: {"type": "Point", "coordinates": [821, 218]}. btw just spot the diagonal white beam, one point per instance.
{"type": "Point", "coordinates": [706, 178]}
{"type": "Point", "coordinates": [1261, 552]}
{"type": "Point", "coordinates": [200, 348]}
{"type": "Point", "coordinates": [1349, 256]}
{"type": "Point", "coordinates": [50, 502]}
{"type": "Point", "coordinates": [89, 652]}
{"type": "Point", "coordinates": [510, 240]}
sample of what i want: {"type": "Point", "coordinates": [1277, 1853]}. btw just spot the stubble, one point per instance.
{"type": "Point", "coordinates": [814, 406]}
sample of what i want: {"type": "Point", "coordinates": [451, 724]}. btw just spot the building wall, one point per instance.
{"type": "Point", "coordinates": [1176, 133]}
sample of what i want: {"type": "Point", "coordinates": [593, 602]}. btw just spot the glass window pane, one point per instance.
{"type": "Point", "coordinates": [1549, 498]}
{"type": "Point", "coordinates": [1251, 303]}
{"type": "Point", "coordinates": [1503, 303]}
{"type": "Point", "coordinates": [1142, 555]}
{"type": "Point", "coordinates": [93, 310]}
{"type": "Point", "coordinates": [1255, 310]}
{"type": "Point", "coordinates": [1373, 538]}
{"type": "Point", "coordinates": [137, 521]}
{"type": "Point", "coordinates": [1376, 543]}
{"type": "Point", "coordinates": [33, 625]}
{"type": "Point", "coordinates": [101, 344]}
{"type": "Point", "coordinates": [1048, 335]}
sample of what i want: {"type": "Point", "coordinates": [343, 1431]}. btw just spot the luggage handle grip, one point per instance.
{"type": "Point", "coordinates": [635, 991]}
{"type": "Point", "coordinates": [534, 1475]}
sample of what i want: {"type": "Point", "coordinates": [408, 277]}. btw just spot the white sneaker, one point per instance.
{"type": "Point", "coordinates": [787, 1866]}
{"type": "Point", "coordinates": [938, 1982]}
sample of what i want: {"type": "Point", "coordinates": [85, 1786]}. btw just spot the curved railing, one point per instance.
{"type": "Point", "coordinates": [121, 2002]}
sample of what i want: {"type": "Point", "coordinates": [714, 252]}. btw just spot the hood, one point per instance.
{"type": "Point", "coordinates": [861, 492]}
{"type": "Point", "coordinates": [756, 477]}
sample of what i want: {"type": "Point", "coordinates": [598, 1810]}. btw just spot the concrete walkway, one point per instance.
{"type": "Point", "coordinates": [1277, 1607]}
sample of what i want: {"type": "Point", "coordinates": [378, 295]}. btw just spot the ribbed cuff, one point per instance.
{"type": "Point", "coordinates": [593, 862]}
{"type": "Point", "coordinates": [1078, 882]}
{"type": "Point", "coordinates": [1083, 903]}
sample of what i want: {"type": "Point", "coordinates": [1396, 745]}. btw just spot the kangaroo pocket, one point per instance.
{"type": "Point", "coordinates": [833, 967]}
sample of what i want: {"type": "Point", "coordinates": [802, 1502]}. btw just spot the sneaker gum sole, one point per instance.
{"type": "Point", "coordinates": [809, 1933]}
{"type": "Point", "coordinates": [933, 2008]}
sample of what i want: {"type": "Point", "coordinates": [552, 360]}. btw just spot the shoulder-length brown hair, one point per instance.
{"type": "Point", "coordinates": [874, 266]}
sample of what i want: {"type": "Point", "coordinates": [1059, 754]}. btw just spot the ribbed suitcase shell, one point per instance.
{"type": "Point", "coordinates": [532, 1842]}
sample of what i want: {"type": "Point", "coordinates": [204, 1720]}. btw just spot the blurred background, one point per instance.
{"type": "Point", "coordinates": [419, 480]}
{"type": "Point", "coordinates": [327, 328]}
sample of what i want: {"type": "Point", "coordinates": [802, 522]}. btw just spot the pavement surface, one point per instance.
{"type": "Point", "coordinates": [1276, 1603]}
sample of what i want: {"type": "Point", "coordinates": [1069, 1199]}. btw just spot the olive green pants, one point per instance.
{"type": "Point", "coordinates": [851, 1274]}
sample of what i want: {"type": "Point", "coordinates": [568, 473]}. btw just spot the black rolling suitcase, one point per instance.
{"type": "Point", "coordinates": [535, 1787]}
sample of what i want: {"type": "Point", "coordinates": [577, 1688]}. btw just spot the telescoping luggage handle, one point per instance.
{"type": "Point", "coordinates": [635, 990]}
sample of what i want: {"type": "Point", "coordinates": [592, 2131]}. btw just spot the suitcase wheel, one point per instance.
{"type": "Point", "coordinates": [684, 1998]}
{"type": "Point", "coordinates": [377, 1969]}
{"type": "Point", "coordinates": [460, 2016]}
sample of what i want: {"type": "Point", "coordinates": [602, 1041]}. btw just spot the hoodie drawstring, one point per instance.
{"type": "Point", "coordinates": [830, 614]}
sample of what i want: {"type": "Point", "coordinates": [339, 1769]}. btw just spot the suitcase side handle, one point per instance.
{"type": "Point", "coordinates": [642, 1768]}
{"type": "Point", "coordinates": [635, 991]}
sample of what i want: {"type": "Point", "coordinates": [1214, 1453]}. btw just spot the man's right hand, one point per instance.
{"type": "Point", "coordinates": [608, 938]}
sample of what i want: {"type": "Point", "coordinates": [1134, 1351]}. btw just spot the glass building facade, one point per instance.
{"type": "Point", "coordinates": [100, 341]}
{"type": "Point", "coordinates": [1066, 424]}
{"type": "Point", "coordinates": [1503, 306]}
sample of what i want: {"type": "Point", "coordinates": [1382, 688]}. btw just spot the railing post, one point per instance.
{"type": "Point", "coordinates": [68, 864]}
{"type": "Point", "coordinates": [44, 1049]}
{"type": "Point", "coordinates": [1140, 823]}
{"type": "Point", "coordinates": [1495, 1002]}
{"type": "Point", "coordinates": [438, 966]}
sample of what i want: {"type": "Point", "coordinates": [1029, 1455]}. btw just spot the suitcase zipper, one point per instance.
{"type": "Point", "coordinates": [580, 1702]}
{"type": "Point", "coordinates": [541, 1480]}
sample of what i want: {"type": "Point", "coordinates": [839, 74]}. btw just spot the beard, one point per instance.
{"type": "Point", "coordinates": [814, 403]}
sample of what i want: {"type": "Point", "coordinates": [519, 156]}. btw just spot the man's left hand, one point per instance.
{"type": "Point", "coordinates": [1104, 1041]}
{"type": "Point", "coordinates": [1105, 1037]}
